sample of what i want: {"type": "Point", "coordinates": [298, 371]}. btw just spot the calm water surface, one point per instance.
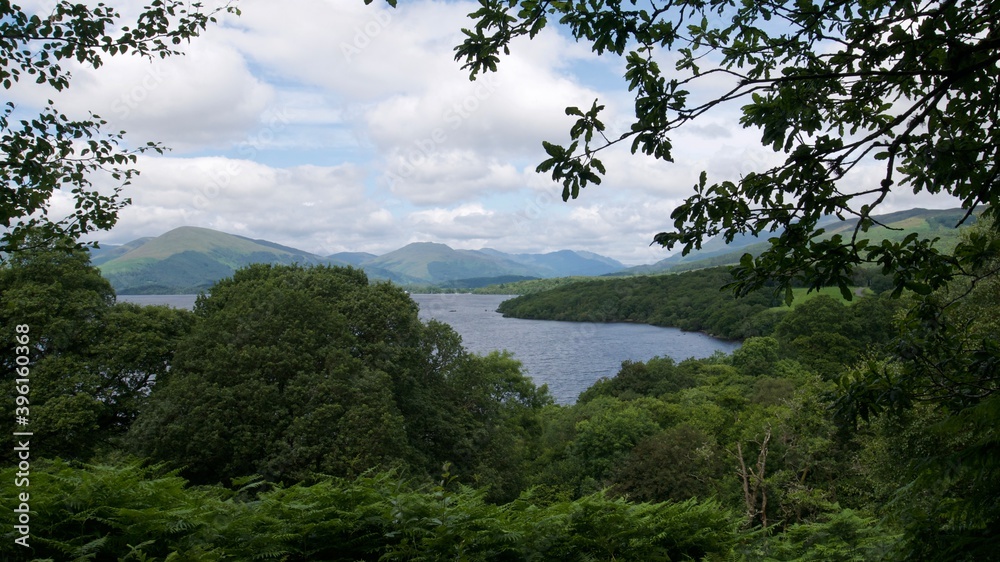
{"type": "Point", "coordinates": [176, 301]}
{"type": "Point", "coordinates": [567, 356]}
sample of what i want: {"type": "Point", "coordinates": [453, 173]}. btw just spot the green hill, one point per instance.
{"type": "Point", "coordinates": [932, 223]}
{"type": "Point", "coordinates": [428, 262]}
{"type": "Point", "coordinates": [189, 260]}
{"type": "Point", "coordinates": [352, 258]}
{"type": "Point", "coordinates": [106, 253]}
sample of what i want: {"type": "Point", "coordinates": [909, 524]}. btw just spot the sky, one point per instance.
{"type": "Point", "coordinates": [331, 126]}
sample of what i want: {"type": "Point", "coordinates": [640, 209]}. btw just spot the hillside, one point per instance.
{"type": "Point", "coordinates": [351, 258]}
{"type": "Point", "coordinates": [691, 301]}
{"type": "Point", "coordinates": [190, 260]}
{"type": "Point", "coordinates": [933, 223]}
{"type": "Point", "coordinates": [563, 263]}
{"type": "Point", "coordinates": [106, 253]}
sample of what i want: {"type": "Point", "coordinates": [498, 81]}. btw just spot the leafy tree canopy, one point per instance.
{"type": "Point", "coordinates": [93, 361]}
{"type": "Point", "coordinates": [294, 371]}
{"type": "Point", "coordinates": [834, 86]}
{"type": "Point", "coordinates": [49, 152]}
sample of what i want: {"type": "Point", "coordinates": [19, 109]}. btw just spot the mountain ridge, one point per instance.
{"type": "Point", "coordinates": [941, 223]}
{"type": "Point", "coordinates": [191, 259]}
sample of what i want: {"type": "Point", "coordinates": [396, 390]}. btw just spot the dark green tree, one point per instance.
{"type": "Point", "coordinates": [277, 379]}
{"type": "Point", "coordinates": [604, 438]}
{"type": "Point", "coordinates": [676, 464]}
{"type": "Point", "coordinates": [757, 356]}
{"type": "Point", "coordinates": [657, 376]}
{"type": "Point", "coordinates": [92, 362]}
{"type": "Point", "coordinates": [50, 152]}
{"type": "Point", "coordinates": [939, 397]}
{"type": "Point", "coordinates": [292, 372]}
{"type": "Point", "coordinates": [829, 336]}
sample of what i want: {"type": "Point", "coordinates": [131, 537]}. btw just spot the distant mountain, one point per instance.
{"type": "Point", "coordinates": [107, 252]}
{"type": "Point", "coordinates": [190, 260]}
{"type": "Point", "coordinates": [351, 258]}
{"type": "Point", "coordinates": [564, 263]}
{"type": "Point", "coordinates": [933, 223]}
{"type": "Point", "coordinates": [438, 264]}
{"type": "Point", "coordinates": [432, 263]}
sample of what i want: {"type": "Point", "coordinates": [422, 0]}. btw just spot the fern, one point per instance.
{"type": "Point", "coordinates": [135, 513]}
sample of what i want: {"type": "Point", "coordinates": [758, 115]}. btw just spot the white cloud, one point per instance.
{"type": "Point", "coordinates": [295, 206]}
{"type": "Point", "coordinates": [206, 99]}
{"type": "Point", "coordinates": [334, 126]}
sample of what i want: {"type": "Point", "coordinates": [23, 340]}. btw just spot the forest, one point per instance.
{"type": "Point", "coordinates": [305, 413]}
{"type": "Point", "coordinates": [696, 301]}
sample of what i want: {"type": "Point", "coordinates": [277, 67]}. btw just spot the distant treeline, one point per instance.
{"type": "Point", "coordinates": [691, 301]}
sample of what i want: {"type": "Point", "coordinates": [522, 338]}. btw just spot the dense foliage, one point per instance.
{"type": "Point", "coordinates": [694, 301]}
{"type": "Point", "coordinates": [941, 390]}
{"type": "Point", "coordinates": [691, 301]}
{"type": "Point", "coordinates": [294, 371]}
{"type": "Point", "coordinates": [49, 152]}
{"type": "Point", "coordinates": [93, 362]}
{"type": "Point", "coordinates": [304, 413]}
{"type": "Point", "coordinates": [132, 513]}
{"type": "Point", "coordinates": [907, 87]}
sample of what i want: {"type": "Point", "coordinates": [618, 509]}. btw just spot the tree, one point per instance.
{"type": "Point", "coordinates": [603, 441]}
{"type": "Point", "coordinates": [756, 356]}
{"type": "Point", "coordinates": [834, 86]}
{"type": "Point", "coordinates": [293, 371]}
{"type": "Point", "coordinates": [675, 464]}
{"type": "Point", "coordinates": [91, 362]}
{"type": "Point", "coordinates": [941, 391]}
{"type": "Point", "coordinates": [51, 151]}
{"type": "Point", "coordinates": [278, 379]}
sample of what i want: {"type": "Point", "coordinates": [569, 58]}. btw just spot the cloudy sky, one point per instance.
{"type": "Point", "coordinates": [333, 126]}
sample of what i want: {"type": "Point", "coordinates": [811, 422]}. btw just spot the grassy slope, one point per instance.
{"type": "Point", "coordinates": [190, 259]}
{"type": "Point", "coordinates": [929, 223]}
{"type": "Point", "coordinates": [432, 263]}
{"type": "Point", "coordinates": [192, 239]}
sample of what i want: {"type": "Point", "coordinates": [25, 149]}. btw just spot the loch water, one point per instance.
{"type": "Point", "coordinates": [567, 356]}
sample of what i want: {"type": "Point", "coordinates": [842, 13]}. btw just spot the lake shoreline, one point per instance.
{"type": "Point", "coordinates": [568, 356]}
